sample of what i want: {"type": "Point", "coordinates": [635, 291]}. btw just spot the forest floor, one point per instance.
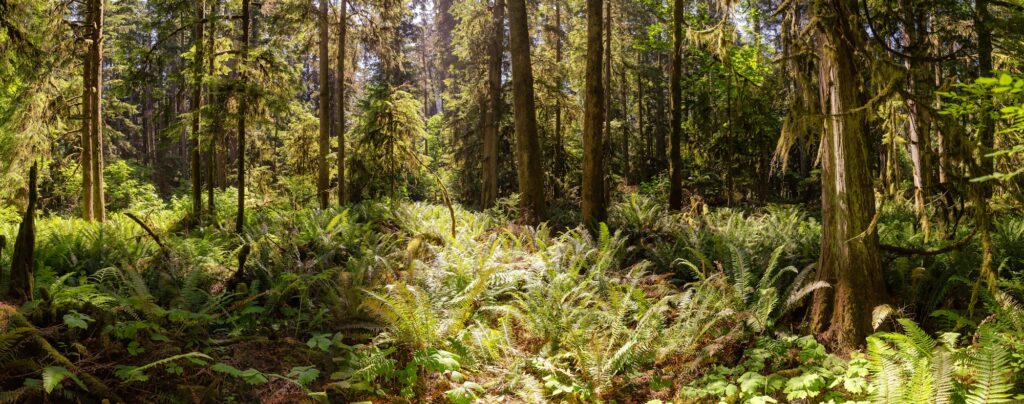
{"type": "Point", "coordinates": [381, 302]}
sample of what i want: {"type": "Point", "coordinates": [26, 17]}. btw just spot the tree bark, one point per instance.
{"type": "Point", "coordinates": [627, 163]}
{"type": "Point", "coordinates": [243, 106]}
{"type": "Point", "coordinates": [594, 208]}
{"type": "Point", "coordinates": [528, 154]}
{"type": "Point", "coordinates": [919, 140]}
{"type": "Point", "coordinates": [675, 163]}
{"type": "Point", "coordinates": [445, 26]}
{"type": "Point", "coordinates": [215, 130]}
{"type": "Point", "coordinates": [96, 109]}
{"type": "Point", "coordinates": [558, 168]}
{"type": "Point", "coordinates": [23, 261]}
{"type": "Point", "coordinates": [342, 84]}
{"type": "Point", "coordinates": [492, 115]}
{"type": "Point", "coordinates": [197, 97]}
{"type": "Point", "coordinates": [86, 137]}
{"type": "Point", "coordinates": [606, 136]}
{"type": "Point", "coordinates": [849, 262]}
{"type": "Point", "coordinates": [323, 182]}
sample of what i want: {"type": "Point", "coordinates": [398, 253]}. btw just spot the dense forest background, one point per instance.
{"type": "Point", "coordinates": [512, 201]}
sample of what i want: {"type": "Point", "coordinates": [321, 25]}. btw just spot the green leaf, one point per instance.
{"type": "Point", "coordinates": [53, 375]}
{"type": "Point", "coordinates": [75, 319]}
{"type": "Point", "coordinates": [304, 375]}
{"type": "Point", "coordinates": [321, 341]}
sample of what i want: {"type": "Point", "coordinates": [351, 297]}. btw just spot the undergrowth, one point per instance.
{"type": "Point", "coordinates": [380, 302]}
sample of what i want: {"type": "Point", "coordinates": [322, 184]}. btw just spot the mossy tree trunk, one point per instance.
{"type": "Point", "coordinates": [23, 261]}
{"type": "Point", "coordinates": [243, 106]}
{"type": "Point", "coordinates": [850, 262]}
{"type": "Point", "coordinates": [323, 182]}
{"type": "Point", "coordinates": [195, 158]}
{"type": "Point", "coordinates": [342, 82]}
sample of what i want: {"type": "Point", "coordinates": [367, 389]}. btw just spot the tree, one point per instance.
{"type": "Point", "coordinates": [675, 162]}
{"type": "Point", "coordinates": [93, 205]}
{"type": "Point", "coordinates": [23, 262]}
{"type": "Point", "coordinates": [87, 100]}
{"type": "Point", "coordinates": [323, 172]}
{"type": "Point", "coordinates": [528, 154]}
{"type": "Point", "coordinates": [342, 84]}
{"type": "Point", "coordinates": [445, 24]}
{"type": "Point", "coordinates": [594, 209]}
{"type": "Point", "coordinates": [197, 96]}
{"type": "Point", "coordinates": [492, 115]}
{"type": "Point", "coordinates": [243, 107]}
{"type": "Point", "coordinates": [850, 260]}
{"type": "Point", "coordinates": [99, 210]}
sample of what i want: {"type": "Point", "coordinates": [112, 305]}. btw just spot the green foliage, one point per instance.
{"type": "Point", "coordinates": [383, 299]}
{"type": "Point", "coordinates": [388, 132]}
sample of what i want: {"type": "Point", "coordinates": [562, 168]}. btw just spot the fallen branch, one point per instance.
{"type": "Point", "coordinates": [914, 251]}
{"type": "Point", "coordinates": [149, 231]}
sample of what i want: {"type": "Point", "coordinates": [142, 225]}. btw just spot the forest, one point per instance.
{"type": "Point", "coordinates": [511, 201]}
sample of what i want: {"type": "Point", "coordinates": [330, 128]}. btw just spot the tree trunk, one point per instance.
{"type": "Point", "coordinates": [558, 168]}
{"type": "Point", "coordinates": [96, 109]}
{"type": "Point", "coordinates": [323, 182]}
{"type": "Point", "coordinates": [982, 191]}
{"type": "Point", "coordinates": [147, 124]}
{"type": "Point", "coordinates": [342, 82]}
{"type": "Point", "coordinates": [528, 154]}
{"type": "Point", "coordinates": [849, 262]}
{"type": "Point", "coordinates": [627, 163]}
{"type": "Point", "coordinates": [23, 261]}
{"type": "Point", "coordinates": [594, 208]}
{"type": "Point", "coordinates": [919, 142]}
{"type": "Point", "coordinates": [243, 106]}
{"type": "Point", "coordinates": [492, 115]}
{"type": "Point", "coordinates": [675, 163]}
{"type": "Point", "coordinates": [86, 137]}
{"type": "Point", "coordinates": [197, 97]}
{"type": "Point", "coordinates": [445, 26]}
{"type": "Point", "coordinates": [606, 136]}
{"type": "Point", "coordinates": [213, 138]}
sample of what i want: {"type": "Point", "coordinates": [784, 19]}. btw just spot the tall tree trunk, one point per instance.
{"type": "Point", "coordinates": [323, 182]}
{"type": "Point", "coordinates": [627, 163]}
{"type": "Point", "coordinates": [243, 107]}
{"type": "Point", "coordinates": [215, 130]}
{"type": "Point", "coordinates": [445, 26]}
{"type": "Point", "coordinates": [849, 262]}
{"type": "Point", "coordinates": [197, 97]}
{"type": "Point", "coordinates": [528, 154]}
{"type": "Point", "coordinates": [558, 168]}
{"type": "Point", "coordinates": [86, 137]}
{"type": "Point", "coordinates": [919, 140]}
{"type": "Point", "coordinates": [982, 191]}
{"type": "Point", "coordinates": [342, 83]}
{"type": "Point", "coordinates": [594, 208]}
{"type": "Point", "coordinates": [644, 136]}
{"type": "Point", "coordinates": [23, 261]}
{"type": "Point", "coordinates": [675, 163]}
{"type": "Point", "coordinates": [606, 136]}
{"type": "Point", "coordinates": [492, 115]}
{"type": "Point", "coordinates": [147, 124]}
{"type": "Point", "coordinates": [96, 109]}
